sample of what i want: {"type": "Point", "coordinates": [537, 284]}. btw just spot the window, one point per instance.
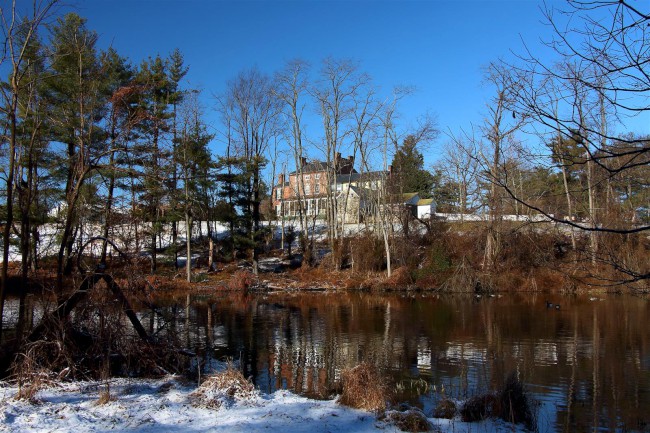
{"type": "Point", "coordinates": [307, 187]}
{"type": "Point", "coordinates": [317, 188]}
{"type": "Point", "coordinates": [278, 193]}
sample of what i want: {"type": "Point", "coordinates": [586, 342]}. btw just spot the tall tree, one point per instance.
{"type": "Point", "coordinates": [252, 112]}
{"type": "Point", "coordinates": [77, 96]}
{"type": "Point", "coordinates": [605, 80]}
{"type": "Point", "coordinates": [177, 71]}
{"type": "Point", "coordinates": [498, 131]}
{"type": "Point", "coordinates": [154, 148]}
{"type": "Point", "coordinates": [291, 87]}
{"type": "Point", "coordinates": [194, 161]}
{"type": "Point", "coordinates": [408, 173]}
{"type": "Point", "coordinates": [334, 92]}
{"type": "Point", "coordinates": [20, 33]}
{"type": "Point", "coordinates": [460, 167]}
{"type": "Point", "coordinates": [121, 119]}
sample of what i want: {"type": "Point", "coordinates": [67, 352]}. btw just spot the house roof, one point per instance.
{"type": "Point", "coordinates": [359, 177]}
{"type": "Point", "coordinates": [315, 166]}
{"type": "Point", "coordinates": [409, 195]}
{"type": "Point", "coordinates": [362, 193]}
{"type": "Point", "coordinates": [425, 202]}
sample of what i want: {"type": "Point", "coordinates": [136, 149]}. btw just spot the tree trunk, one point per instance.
{"type": "Point", "coordinates": [6, 233]}
{"type": "Point", "coordinates": [188, 246]}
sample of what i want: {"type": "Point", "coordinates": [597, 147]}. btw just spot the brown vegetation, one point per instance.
{"type": "Point", "coordinates": [445, 409]}
{"type": "Point", "coordinates": [511, 403]}
{"type": "Point", "coordinates": [223, 388]}
{"type": "Point", "coordinates": [364, 388]}
{"type": "Point", "coordinates": [411, 420]}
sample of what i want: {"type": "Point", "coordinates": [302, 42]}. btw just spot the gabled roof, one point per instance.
{"type": "Point", "coordinates": [362, 193]}
{"type": "Point", "coordinates": [425, 202]}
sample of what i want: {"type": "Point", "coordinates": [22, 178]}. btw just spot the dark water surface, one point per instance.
{"type": "Point", "coordinates": [587, 363]}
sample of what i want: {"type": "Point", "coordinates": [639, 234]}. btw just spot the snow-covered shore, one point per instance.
{"type": "Point", "coordinates": [167, 405]}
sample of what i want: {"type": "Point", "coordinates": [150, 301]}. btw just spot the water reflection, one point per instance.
{"type": "Point", "coordinates": [588, 363]}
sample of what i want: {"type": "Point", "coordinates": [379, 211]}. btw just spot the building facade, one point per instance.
{"type": "Point", "coordinates": [356, 195]}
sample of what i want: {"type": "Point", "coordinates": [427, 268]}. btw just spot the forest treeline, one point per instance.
{"type": "Point", "coordinates": [91, 138]}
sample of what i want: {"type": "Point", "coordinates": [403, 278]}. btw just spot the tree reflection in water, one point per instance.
{"type": "Point", "coordinates": [588, 364]}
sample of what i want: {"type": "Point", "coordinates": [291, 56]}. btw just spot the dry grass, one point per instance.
{"type": "Point", "coordinates": [241, 280]}
{"type": "Point", "coordinates": [41, 365]}
{"type": "Point", "coordinates": [224, 388]}
{"type": "Point", "coordinates": [412, 420]}
{"type": "Point", "coordinates": [104, 398]}
{"type": "Point", "coordinates": [515, 403]}
{"type": "Point", "coordinates": [364, 388]}
{"type": "Point", "coordinates": [511, 403]}
{"type": "Point", "coordinates": [400, 279]}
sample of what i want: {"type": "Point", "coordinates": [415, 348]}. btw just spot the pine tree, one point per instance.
{"type": "Point", "coordinates": [121, 119]}
{"type": "Point", "coordinates": [194, 162]}
{"type": "Point", "coordinates": [408, 174]}
{"type": "Point", "coordinates": [76, 94]}
{"type": "Point", "coordinates": [177, 71]}
{"type": "Point", "coordinates": [152, 151]}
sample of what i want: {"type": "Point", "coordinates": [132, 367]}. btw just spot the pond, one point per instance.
{"type": "Point", "coordinates": [586, 363]}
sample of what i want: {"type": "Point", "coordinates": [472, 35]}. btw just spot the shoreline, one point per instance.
{"type": "Point", "coordinates": [167, 404]}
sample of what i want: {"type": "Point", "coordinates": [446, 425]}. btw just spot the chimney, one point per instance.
{"type": "Point", "coordinates": [303, 161]}
{"type": "Point", "coordinates": [338, 157]}
{"type": "Point", "coordinates": [281, 179]}
{"type": "Point", "coordinates": [390, 170]}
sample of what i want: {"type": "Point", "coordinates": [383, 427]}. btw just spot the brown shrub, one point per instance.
{"type": "Point", "coordinates": [367, 253]}
{"type": "Point", "coordinates": [515, 405]}
{"type": "Point", "coordinates": [241, 280]}
{"type": "Point", "coordinates": [339, 258]}
{"type": "Point", "coordinates": [445, 409]}
{"type": "Point", "coordinates": [478, 408]}
{"type": "Point", "coordinates": [364, 388]}
{"type": "Point", "coordinates": [511, 403]}
{"type": "Point", "coordinates": [464, 278]}
{"type": "Point", "coordinates": [400, 279]}
{"type": "Point", "coordinates": [412, 420]}
{"type": "Point", "coordinates": [223, 388]}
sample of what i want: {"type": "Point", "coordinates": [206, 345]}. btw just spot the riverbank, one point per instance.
{"type": "Point", "coordinates": [170, 405]}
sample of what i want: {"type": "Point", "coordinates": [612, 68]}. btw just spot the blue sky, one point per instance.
{"type": "Point", "coordinates": [438, 46]}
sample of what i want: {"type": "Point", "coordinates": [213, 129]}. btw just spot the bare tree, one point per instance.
{"type": "Point", "coordinates": [254, 112]}
{"type": "Point", "coordinates": [607, 62]}
{"type": "Point", "coordinates": [292, 86]}
{"type": "Point", "coordinates": [498, 132]}
{"type": "Point", "coordinates": [461, 168]}
{"type": "Point", "coordinates": [335, 93]}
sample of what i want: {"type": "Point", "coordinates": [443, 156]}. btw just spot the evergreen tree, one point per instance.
{"type": "Point", "coordinates": [408, 174]}
{"type": "Point", "coordinates": [194, 161]}
{"type": "Point", "coordinates": [122, 118]}
{"type": "Point", "coordinates": [77, 94]}
{"type": "Point", "coordinates": [151, 151]}
{"type": "Point", "coordinates": [177, 71]}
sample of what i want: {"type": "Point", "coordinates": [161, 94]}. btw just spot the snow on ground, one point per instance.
{"type": "Point", "coordinates": [167, 405]}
